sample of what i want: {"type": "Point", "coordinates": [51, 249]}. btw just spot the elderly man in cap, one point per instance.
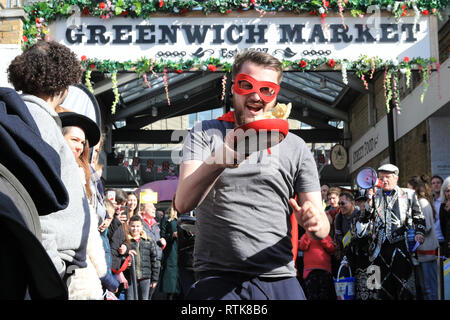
{"type": "Point", "coordinates": [391, 215]}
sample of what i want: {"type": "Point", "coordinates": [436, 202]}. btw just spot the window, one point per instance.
{"type": "Point", "coordinates": [204, 115]}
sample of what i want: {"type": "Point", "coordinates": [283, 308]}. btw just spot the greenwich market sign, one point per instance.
{"type": "Point", "coordinates": [222, 37]}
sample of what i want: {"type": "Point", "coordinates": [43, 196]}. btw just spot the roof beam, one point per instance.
{"type": "Point", "coordinates": [106, 85]}
{"type": "Point", "coordinates": [310, 102]}
{"type": "Point", "coordinates": [186, 87]}
{"type": "Point", "coordinates": [352, 81]}
{"type": "Point", "coordinates": [182, 108]}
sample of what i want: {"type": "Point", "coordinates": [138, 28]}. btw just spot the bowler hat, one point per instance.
{"type": "Point", "coordinates": [389, 168]}
{"type": "Point", "coordinates": [90, 128]}
{"type": "Point", "coordinates": [361, 198]}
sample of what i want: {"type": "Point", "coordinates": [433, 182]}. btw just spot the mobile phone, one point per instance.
{"type": "Point", "coordinates": [111, 195]}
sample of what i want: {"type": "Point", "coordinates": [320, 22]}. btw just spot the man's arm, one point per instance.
{"type": "Point", "coordinates": [310, 214]}
{"type": "Point", "coordinates": [194, 183]}
{"type": "Point", "coordinates": [197, 177]}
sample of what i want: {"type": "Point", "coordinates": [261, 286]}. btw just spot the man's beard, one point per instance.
{"type": "Point", "coordinates": [239, 117]}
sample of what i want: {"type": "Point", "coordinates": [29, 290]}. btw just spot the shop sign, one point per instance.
{"type": "Point", "coordinates": [221, 37]}
{"type": "Point", "coordinates": [369, 145]}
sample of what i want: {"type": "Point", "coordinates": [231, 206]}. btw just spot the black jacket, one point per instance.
{"type": "Point", "coordinates": [30, 159]}
{"type": "Point", "coordinates": [147, 266]}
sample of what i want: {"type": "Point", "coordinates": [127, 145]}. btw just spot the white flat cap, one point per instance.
{"type": "Point", "coordinates": [389, 168]}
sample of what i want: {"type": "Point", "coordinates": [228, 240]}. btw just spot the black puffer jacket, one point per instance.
{"type": "Point", "coordinates": [147, 266]}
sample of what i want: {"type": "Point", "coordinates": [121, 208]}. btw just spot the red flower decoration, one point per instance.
{"type": "Point", "coordinates": [83, 58]}
{"type": "Point", "coordinates": [302, 64]}
{"type": "Point", "coordinates": [323, 15]}
{"type": "Point", "coordinates": [85, 11]}
{"type": "Point", "coordinates": [25, 39]}
{"type": "Point", "coordinates": [326, 4]}
{"type": "Point", "coordinates": [425, 12]}
{"type": "Point", "coordinates": [403, 13]}
{"type": "Point", "coordinates": [37, 20]}
{"type": "Point", "coordinates": [102, 5]}
{"type": "Point", "coordinates": [124, 13]}
{"type": "Point", "coordinates": [252, 1]}
{"type": "Point", "coordinates": [228, 11]}
{"type": "Point", "coordinates": [331, 63]}
{"type": "Point", "coordinates": [183, 11]}
{"type": "Point", "coordinates": [92, 66]}
{"type": "Point", "coordinates": [179, 71]}
{"type": "Point", "coordinates": [161, 3]}
{"type": "Point", "coordinates": [406, 59]}
{"type": "Point", "coordinates": [313, 13]}
{"type": "Point", "coordinates": [212, 67]}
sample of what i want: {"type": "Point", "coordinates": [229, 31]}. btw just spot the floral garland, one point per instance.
{"type": "Point", "coordinates": [40, 14]}
{"type": "Point", "coordinates": [115, 90]}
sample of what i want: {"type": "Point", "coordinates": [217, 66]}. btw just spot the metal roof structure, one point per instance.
{"type": "Point", "coordinates": [317, 98]}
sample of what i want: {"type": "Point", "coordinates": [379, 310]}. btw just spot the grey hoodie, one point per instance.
{"type": "Point", "coordinates": [431, 242]}
{"type": "Point", "coordinates": [65, 232]}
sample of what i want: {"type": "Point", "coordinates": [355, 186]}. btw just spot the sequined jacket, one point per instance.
{"type": "Point", "coordinates": [395, 216]}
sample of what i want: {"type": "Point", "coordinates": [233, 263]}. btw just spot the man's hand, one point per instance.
{"type": "Point", "coordinates": [419, 238]}
{"type": "Point", "coordinates": [311, 218]}
{"type": "Point", "coordinates": [226, 156]}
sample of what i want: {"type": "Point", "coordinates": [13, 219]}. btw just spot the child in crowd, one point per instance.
{"type": "Point", "coordinates": [319, 284]}
{"type": "Point", "coordinates": [143, 250]}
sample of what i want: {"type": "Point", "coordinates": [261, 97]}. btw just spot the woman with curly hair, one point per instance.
{"type": "Point", "coordinates": [44, 72]}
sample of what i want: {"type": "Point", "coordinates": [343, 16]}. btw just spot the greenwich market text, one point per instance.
{"type": "Point", "coordinates": [236, 34]}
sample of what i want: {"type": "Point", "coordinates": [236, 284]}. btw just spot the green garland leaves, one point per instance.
{"type": "Point", "coordinates": [53, 9]}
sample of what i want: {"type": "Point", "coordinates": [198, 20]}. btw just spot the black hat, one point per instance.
{"type": "Point", "coordinates": [90, 128]}
{"type": "Point", "coordinates": [361, 198]}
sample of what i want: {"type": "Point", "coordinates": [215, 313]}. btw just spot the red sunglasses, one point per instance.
{"type": "Point", "coordinates": [266, 90]}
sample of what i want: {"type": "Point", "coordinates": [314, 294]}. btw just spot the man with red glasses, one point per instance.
{"type": "Point", "coordinates": [243, 247]}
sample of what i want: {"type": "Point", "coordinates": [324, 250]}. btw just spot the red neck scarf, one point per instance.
{"type": "Point", "coordinates": [228, 117]}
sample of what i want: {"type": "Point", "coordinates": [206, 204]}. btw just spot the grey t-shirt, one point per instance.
{"type": "Point", "coordinates": [243, 224]}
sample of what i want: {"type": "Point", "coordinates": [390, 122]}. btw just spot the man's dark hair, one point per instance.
{"type": "Point", "coordinates": [257, 57]}
{"type": "Point", "coordinates": [121, 196]}
{"type": "Point", "coordinates": [135, 218]}
{"type": "Point", "coordinates": [437, 177]}
{"type": "Point", "coordinates": [348, 195]}
{"type": "Point", "coordinates": [46, 67]}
